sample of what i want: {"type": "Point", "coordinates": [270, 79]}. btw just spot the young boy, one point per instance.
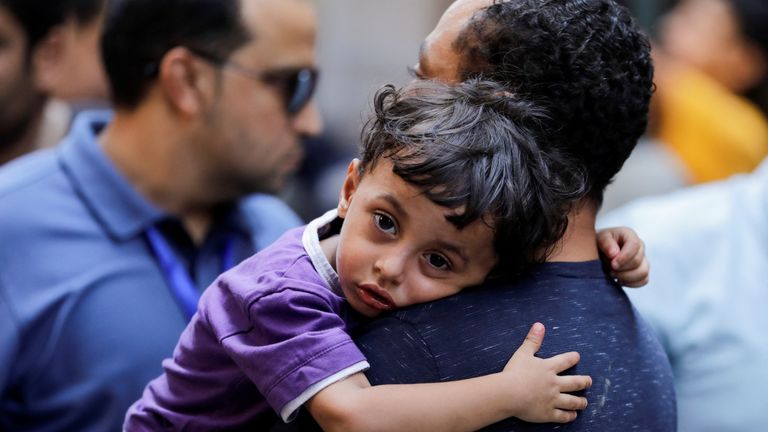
{"type": "Point", "coordinates": [448, 179]}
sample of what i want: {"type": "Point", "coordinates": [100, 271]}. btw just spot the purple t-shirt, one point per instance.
{"type": "Point", "coordinates": [268, 335]}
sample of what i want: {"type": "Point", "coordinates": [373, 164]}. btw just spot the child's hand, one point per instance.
{"type": "Point", "coordinates": [625, 253]}
{"type": "Point", "coordinates": [540, 392]}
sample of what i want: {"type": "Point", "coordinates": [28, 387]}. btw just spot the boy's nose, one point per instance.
{"type": "Point", "coordinates": [389, 269]}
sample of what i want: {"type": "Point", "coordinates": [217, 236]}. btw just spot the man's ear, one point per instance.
{"type": "Point", "coordinates": [349, 187]}
{"type": "Point", "coordinates": [185, 81]}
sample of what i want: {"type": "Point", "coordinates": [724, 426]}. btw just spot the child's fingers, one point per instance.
{"type": "Point", "coordinates": [636, 277]}
{"type": "Point", "coordinates": [563, 361]}
{"type": "Point", "coordinates": [569, 402]}
{"type": "Point", "coordinates": [608, 244]}
{"type": "Point", "coordinates": [572, 383]}
{"type": "Point", "coordinates": [562, 416]}
{"type": "Point", "coordinates": [533, 340]}
{"type": "Point", "coordinates": [630, 256]}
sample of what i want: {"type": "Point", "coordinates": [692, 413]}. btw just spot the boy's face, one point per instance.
{"type": "Point", "coordinates": [397, 248]}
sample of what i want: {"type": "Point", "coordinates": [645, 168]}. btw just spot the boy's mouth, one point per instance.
{"type": "Point", "coordinates": [375, 297]}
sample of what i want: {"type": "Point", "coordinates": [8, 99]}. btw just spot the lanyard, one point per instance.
{"type": "Point", "coordinates": [179, 281]}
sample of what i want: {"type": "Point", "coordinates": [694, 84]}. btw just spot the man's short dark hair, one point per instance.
{"type": "Point", "coordinates": [584, 60]}
{"type": "Point", "coordinates": [138, 33]}
{"type": "Point", "coordinates": [36, 18]}
{"type": "Point", "coordinates": [469, 147]}
{"type": "Point", "coordinates": [83, 11]}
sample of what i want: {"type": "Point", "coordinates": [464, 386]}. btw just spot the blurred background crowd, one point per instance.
{"type": "Point", "coordinates": [708, 123]}
{"type": "Point", "coordinates": [708, 118]}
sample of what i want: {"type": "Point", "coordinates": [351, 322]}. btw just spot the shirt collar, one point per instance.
{"type": "Point", "coordinates": [310, 239]}
{"type": "Point", "coordinates": [118, 207]}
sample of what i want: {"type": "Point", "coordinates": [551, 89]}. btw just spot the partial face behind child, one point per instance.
{"type": "Point", "coordinates": [398, 248]}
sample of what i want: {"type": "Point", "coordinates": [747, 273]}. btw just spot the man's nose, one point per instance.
{"type": "Point", "coordinates": [308, 121]}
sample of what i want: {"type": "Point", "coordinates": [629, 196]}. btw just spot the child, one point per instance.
{"type": "Point", "coordinates": [433, 207]}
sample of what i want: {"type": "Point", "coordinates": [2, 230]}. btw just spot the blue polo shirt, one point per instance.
{"type": "Point", "coordinates": [86, 315]}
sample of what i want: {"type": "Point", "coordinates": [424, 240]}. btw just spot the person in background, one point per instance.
{"type": "Point", "coordinates": [709, 112]}
{"type": "Point", "coordinates": [711, 102]}
{"type": "Point", "coordinates": [109, 238]}
{"type": "Point", "coordinates": [588, 64]}
{"type": "Point", "coordinates": [70, 69]}
{"type": "Point", "coordinates": [707, 296]}
{"type": "Point", "coordinates": [24, 125]}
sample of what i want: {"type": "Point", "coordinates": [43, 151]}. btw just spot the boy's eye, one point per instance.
{"type": "Point", "coordinates": [385, 223]}
{"type": "Point", "coordinates": [438, 261]}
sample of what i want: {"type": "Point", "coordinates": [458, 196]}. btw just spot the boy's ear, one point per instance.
{"type": "Point", "coordinates": [349, 187]}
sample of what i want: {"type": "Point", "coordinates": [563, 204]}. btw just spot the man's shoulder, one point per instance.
{"type": "Point", "coordinates": [28, 174]}
{"type": "Point", "coordinates": [32, 190]}
{"type": "Point", "coordinates": [476, 332]}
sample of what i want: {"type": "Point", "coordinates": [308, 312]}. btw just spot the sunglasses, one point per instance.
{"type": "Point", "coordinates": [296, 85]}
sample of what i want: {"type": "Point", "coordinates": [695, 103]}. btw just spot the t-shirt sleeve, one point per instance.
{"type": "Point", "coordinates": [295, 346]}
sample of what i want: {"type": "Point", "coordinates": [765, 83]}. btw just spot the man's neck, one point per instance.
{"type": "Point", "coordinates": [580, 240]}
{"type": "Point", "coordinates": [146, 151]}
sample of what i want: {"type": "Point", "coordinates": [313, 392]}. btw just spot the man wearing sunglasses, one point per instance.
{"type": "Point", "coordinates": [108, 239]}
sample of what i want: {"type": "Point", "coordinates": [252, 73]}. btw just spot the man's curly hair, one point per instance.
{"type": "Point", "coordinates": [584, 61]}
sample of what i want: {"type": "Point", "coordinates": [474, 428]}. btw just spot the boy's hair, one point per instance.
{"type": "Point", "coordinates": [585, 61]}
{"type": "Point", "coordinates": [469, 147]}
{"type": "Point", "coordinates": [138, 33]}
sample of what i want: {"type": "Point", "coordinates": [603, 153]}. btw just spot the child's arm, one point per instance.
{"type": "Point", "coordinates": [625, 252]}
{"type": "Point", "coordinates": [528, 388]}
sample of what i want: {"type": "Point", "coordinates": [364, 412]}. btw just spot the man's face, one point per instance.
{"type": "Point", "coordinates": [437, 58]}
{"type": "Point", "coordinates": [257, 142]}
{"type": "Point", "coordinates": [397, 248]}
{"type": "Point", "coordinates": [81, 73]}
{"type": "Point", "coordinates": [19, 98]}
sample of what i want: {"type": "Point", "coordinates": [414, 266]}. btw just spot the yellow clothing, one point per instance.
{"type": "Point", "coordinates": [714, 132]}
